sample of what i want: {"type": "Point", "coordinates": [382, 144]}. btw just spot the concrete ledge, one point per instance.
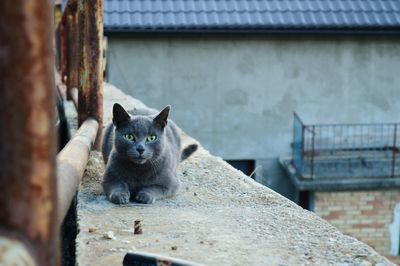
{"type": "Point", "coordinates": [220, 217]}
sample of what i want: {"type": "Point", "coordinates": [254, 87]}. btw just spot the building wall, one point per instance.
{"type": "Point", "coordinates": [365, 215]}
{"type": "Point", "coordinates": [237, 94]}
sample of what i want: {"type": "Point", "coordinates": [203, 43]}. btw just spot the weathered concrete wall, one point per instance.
{"type": "Point", "coordinates": [365, 215]}
{"type": "Point", "coordinates": [237, 94]}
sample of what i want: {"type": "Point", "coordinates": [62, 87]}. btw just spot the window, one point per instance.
{"type": "Point", "coordinates": [306, 200]}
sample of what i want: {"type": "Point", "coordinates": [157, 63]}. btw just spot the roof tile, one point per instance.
{"type": "Point", "coordinates": [249, 14]}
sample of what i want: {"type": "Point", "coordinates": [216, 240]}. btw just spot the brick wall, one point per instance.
{"type": "Point", "coordinates": [365, 215]}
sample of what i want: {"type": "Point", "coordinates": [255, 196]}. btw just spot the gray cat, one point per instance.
{"type": "Point", "coordinates": [141, 150]}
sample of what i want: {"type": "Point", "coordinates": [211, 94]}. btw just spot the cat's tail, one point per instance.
{"type": "Point", "coordinates": [189, 150]}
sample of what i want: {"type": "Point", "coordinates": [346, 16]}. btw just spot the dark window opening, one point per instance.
{"type": "Point", "coordinates": [246, 166]}
{"type": "Point", "coordinates": [306, 200]}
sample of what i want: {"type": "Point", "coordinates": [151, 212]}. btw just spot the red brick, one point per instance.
{"type": "Point", "coordinates": [370, 212]}
{"type": "Point", "coordinates": [333, 215]}
{"type": "Point", "coordinates": [372, 225]}
{"type": "Point", "coordinates": [378, 203]}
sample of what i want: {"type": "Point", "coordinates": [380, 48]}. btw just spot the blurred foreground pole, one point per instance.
{"type": "Point", "coordinates": [28, 205]}
{"type": "Point", "coordinates": [90, 51]}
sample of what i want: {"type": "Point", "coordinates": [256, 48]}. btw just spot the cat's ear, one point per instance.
{"type": "Point", "coordinates": [162, 118]}
{"type": "Point", "coordinates": [120, 116]}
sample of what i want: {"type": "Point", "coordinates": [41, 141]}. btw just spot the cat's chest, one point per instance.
{"type": "Point", "coordinates": [142, 174]}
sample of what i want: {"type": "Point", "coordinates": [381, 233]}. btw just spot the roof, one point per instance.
{"type": "Point", "coordinates": [250, 15]}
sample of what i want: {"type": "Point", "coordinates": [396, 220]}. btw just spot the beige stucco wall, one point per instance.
{"type": "Point", "coordinates": [237, 94]}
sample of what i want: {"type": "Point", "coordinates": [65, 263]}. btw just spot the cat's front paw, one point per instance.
{"type": "Point", "coordinates": [145, 197]}
{"type": "Point", "coordinates": [120, 197]}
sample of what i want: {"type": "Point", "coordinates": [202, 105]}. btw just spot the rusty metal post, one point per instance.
{"type": "Point", "coordinates": [63, 31]}
{"type": "Point", "coordinates": [71, 163]}
{"type": "Point", "coordinates": [72, 55]}
{"type": "Point", "coordinates": [57, 41]}
{"type": "Point", "coordinates": [57, 23]}
{"type": "Point", "coordinates": [90, 19]}
{"type": "Point", "coordinates": [28, 199]}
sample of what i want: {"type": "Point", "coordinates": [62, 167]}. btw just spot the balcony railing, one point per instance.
{"type": "Point", "coordinates": [346, 150]}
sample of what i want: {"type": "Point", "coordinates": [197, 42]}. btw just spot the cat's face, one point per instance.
{"type": "Point", "coordinates": [140, 138]}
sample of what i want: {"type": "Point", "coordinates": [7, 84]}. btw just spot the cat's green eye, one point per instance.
{"type": "Point", "coordinates": [129, 137]}
{"type": "Point", "coordinates": [151, 138]}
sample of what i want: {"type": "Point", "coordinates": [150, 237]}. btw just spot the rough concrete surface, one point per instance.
{"type": "Point", "coordinates": [220, 217]}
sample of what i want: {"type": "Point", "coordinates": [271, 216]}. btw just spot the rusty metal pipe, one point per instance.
{"type": "Point", "coordinates": [28, 200]}
{"type": "Point", "coordinates": [74, 97]}
{"type": "Point", "coordinates": [14, 252]}
{"type": "Point", "coordinates": [71, 163]}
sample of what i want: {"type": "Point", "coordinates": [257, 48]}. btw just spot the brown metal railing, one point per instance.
{"type": "Point", "coordinates": [80, 57]}
{"type": "Point", "coordinates": [37, 185]}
